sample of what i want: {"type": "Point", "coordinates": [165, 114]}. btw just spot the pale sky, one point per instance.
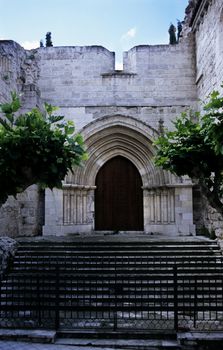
{"type": "Point", "coordinates": [117, 25]}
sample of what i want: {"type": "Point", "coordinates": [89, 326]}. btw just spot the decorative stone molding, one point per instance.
{"type": "Point", "coordinates": [120, 135]}
{"type": "Point", "coordinates": [161, 206]}
{"type": "Point", "coordinates": [79, 187]}
{"type": "Point", "coordinates": [77, 206]}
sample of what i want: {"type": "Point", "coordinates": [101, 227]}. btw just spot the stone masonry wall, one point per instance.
{"type": "Point", "coordinates": [22, 217]}
{"type": "Point", "coordinates": [161, 75]}
{"type": "Point", "coordinates": [157, 83]}
{"type": "Point", "coordinates": [18, 72]}
{"type": "Point", "coordinates": [12, 56]}
{"type": "Point", "coordinates": [209, 50]}
{"type": "Point", "coordinates": [208, 31]}
{"type": "Point", "coordinates": [8, 247]}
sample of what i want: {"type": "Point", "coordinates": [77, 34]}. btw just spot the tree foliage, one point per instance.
{"type": "Point", "coordinates": [195, 148]}
{"type": "Point", "coordinates": [35, 148]}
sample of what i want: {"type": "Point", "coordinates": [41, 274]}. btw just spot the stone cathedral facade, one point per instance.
{"type": "Point", "coordinates": [120, 114]}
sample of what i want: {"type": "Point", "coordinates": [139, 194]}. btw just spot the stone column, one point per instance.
{"type": "Point", "coordinates": [70, 210]}
{"type": "Point", "coordinates": [168, 210]}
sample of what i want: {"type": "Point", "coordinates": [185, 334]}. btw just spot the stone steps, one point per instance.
{"type": "Point", "coordinates": [109, 277]}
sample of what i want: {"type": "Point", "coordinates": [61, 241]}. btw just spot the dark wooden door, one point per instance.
{"type": "Point", "coordinates": [118, 197]}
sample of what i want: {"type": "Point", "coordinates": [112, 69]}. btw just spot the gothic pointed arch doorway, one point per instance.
{"type": "Point", "coordinates": [119, 196]}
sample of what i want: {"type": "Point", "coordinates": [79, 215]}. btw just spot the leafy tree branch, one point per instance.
{"type": "Point", "coordinates": [35, 148]}
{"type": "Point", "coordinates": [195, 148]}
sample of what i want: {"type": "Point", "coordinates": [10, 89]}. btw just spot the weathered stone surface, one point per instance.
{"type": "Point", "coordinates": [209, 50]}
{"type": "Point", "coordinates": [12, 56]}
{"type": "Point", "coordinates": [28, 335]}
{"type": "Point", "coordinates": [8, 248]}
{"type": "Point", "coordinates": [153, 76]}
{"type": "Point", "coordinates": [22, 216]}
{"type": "Point", "coordinates": [208, 34]}
{"type": "Point", "coordinates": [119, 113]}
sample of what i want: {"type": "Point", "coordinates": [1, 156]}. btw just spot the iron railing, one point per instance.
{"type": "Point", "coordinates": [116, 295]}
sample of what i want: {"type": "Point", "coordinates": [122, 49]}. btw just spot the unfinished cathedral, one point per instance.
{"type": "Point", "coordinates": [119, 113]}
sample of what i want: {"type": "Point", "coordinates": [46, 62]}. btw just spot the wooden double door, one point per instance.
{"type": "Point", "coordinates": [119, 197]}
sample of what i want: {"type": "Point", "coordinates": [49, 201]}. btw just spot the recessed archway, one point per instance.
{"type": "Point", "coordinates": [123, 136]}
{"type": "Point", "coordinates": [119, 196]}
{"type": "Point", "coordinates": [164, 210]}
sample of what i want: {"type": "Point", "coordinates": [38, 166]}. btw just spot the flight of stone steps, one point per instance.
{"type": "Point", "coordinates": [114, 285]}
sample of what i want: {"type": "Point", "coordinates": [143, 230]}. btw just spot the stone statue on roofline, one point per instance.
{"type": "Point", "coordinates": [179, 30]}
{"type": "Point", "coordinates": [172, 34]}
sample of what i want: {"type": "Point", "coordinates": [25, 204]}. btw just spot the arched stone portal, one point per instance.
{"type": "Point", "coordinates": [119, 197]}
{"type": "Point", "coordinates": [167, 199]}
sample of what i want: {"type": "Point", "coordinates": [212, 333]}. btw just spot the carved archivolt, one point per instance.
{"type": "Point", "coordinates": [111, 136]}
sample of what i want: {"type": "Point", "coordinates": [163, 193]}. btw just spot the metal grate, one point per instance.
{"type": "Point", "coordinates": [114, 292]}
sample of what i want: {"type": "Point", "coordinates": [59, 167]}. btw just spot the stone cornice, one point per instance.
{"type": "Point", "coordinates": [117, 74]}
{"type": "Point", "coordinates": [167, 186]}
{"type": "Point", "coordinates": [78, 187]}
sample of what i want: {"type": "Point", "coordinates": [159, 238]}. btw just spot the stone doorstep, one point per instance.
{"type": "Point", "coordinates": [49, 337]}
{"type": "Point", "coordinates": [212, 335]}
{"type": "Point", "coordinates": [28, 335]}
{"type": "Point", "coordinates": [121, 237]}
{"type": "Point", "coordinates": [43, 336]}
{"type": "Point", "coordinates": [187, 338]}
{"type": "Point", "coordinates": [141, 344]}
{"type": "Point", "coordinates": [214, 338]}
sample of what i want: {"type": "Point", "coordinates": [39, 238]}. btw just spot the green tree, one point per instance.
{"type": "Point", "coordinates": [195, 148]}
{"type": "Point", "coordinates": [35, 148]}
{"type": "Point", "coordinates": [48, 39]}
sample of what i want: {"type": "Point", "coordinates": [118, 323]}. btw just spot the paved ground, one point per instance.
{"type": "Point", "coordinates": [19, 339]}
{"type": "Point", "coordinates": [91, 344]}
{"type": "Point", "coordinates": [8, 345]}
